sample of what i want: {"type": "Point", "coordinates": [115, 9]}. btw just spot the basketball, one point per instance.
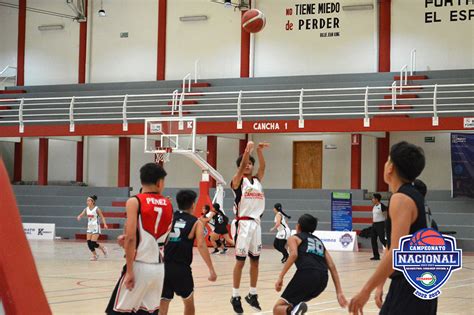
{"type": "Point", "coordinates": [253, 21]}
{"type": "Point", "coordinates": [427, 237]}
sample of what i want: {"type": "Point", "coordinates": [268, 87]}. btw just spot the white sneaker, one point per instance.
{"type": "Point", "coordinates": [94, 258]}
{"type": "Point", "coordinates": [300, 309]}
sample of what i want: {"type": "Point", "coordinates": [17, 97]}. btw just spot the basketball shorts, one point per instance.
{"type": "Point", "coordinates": [179, 280]}
{"type": "Point", "coordinates": [248, 239]}
{"type": "Point", "coordinates": [305, 286]}
{"type": "Point", "coordinates": [145, 295]}
{"type": "Point", "coordinates": [283, 234]}
{"type": "Point", "coordinates": [401, 300]}
{"type": "Point", "coordinates": [93, 229]}
{"type": "Point", "coordinates": [221, 230]}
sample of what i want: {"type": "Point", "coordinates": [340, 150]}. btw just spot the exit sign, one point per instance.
{"type": "Point", "coordinates": [430, 139]}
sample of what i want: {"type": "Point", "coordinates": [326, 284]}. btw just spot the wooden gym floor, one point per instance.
{"type": "Point", "coordinates": [75, 285]}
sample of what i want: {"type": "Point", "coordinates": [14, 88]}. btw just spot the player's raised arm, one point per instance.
{"type": "Point", "coordinates": [243, 164]}
{"type": "Point", "coordinates": [131, 240]}
{"type": "Point", "coordinates": [261, 160]}
{"type": "Point", "coordinates": [202, 247]}
{"type": "Point", "coordinates": [335, 278]}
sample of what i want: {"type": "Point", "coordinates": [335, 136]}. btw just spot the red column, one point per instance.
{"type": "Point", "coordinates": [43, 162]}
{"type": "Point", "coordinates": [356, 161]}
{"type": "Point", "coordinates": [212, 156]}
{"type": "Point", "coordinates": [243, 144]}
{"type": "Point", "coordinates": [244, 51]}
{"type": "Point", "coordinates": [161, 58]}
{"type": "Point", "coordinates": [83, 47]}
{"type": "Point", "coordinates": [20, 57]}
{"type": "Point", "coordinates": [124, 162]}
{"type": "Point", "coordinates": [17, 164]}
{"type": "Point", "coordinates": [80, 161]}
{"type": "Point", "coordinates": [383, 150]}
{"type": "Point", "coordinates": [384, 34]}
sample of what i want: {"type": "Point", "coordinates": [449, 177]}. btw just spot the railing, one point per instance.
{"type": "Point", "coordinates": [403, 79]}
{"type": "Point", "coordinates": [196, 70]}
{"type": "Point", "coordinates": [187, 77]}
{"type": "Point", "coordinates": [412, 61]}
{"type": "Point", "coordinates": [4, 78]}
{"type": "Point", "coordinates": [433, 101]}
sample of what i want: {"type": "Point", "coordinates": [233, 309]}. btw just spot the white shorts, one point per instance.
{"type": "Point", "coordinates": [93, 229]}
{"type": "Point", "coordinates": [146, 294]}
{"type": "Point", "coordinates": [283, 234]}
{"type": "Point", "coordinates": [248, 239]}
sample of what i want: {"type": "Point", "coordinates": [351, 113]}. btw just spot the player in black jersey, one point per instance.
{"type": "Point", "coordinates": [179, 254]}
{"type": "Point", "coordinates": [312, 262]}
{"type": "Point", "coordinates": [220, 230]}
{"type": "Point", "coordinates": [406, 215]}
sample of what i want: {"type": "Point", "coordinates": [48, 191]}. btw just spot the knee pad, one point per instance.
{"type": "Point", "coordinates": [90, 245]}
{"type": "Point", "coordinates": [95, 244]}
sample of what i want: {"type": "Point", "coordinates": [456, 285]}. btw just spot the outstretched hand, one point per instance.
{"type": "Point", "coordinates": [263, 145]}
{"type": "Point", "coordinates": [250, 147]}
{"type": "Point", "coordinates": [357, 303]}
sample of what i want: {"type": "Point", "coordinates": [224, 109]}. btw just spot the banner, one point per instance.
{"type": "Point", "coordinates": [39, 231]}
{"type": "Point", "coordinates": [462, 164]}
{"type": "Point", "coordinates": [337, 241]}
{"type": "Point", "coordinates": [341, 211]}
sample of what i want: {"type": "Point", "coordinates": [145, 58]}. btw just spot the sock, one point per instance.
{"type": "Point", "coordinates": [235, 292]}
{"type": "Point", "coordinates": [253, 291]}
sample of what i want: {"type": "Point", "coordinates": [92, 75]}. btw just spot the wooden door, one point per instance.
{"type": "Point", "coordinates": [307, 164]}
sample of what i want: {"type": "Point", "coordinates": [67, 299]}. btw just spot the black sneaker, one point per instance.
{"type": "Point", "coordinates": [216, 251]}
{"type": "Point", "coordinates": [224, 251]}
{"type": "Point", "coordinates": [300, 309]}
{"type": "Point", "coordinates": [252, 299]}
{"type": "Point", "coordinates": [237, 305]}
{"type": "Point", "coordinates": [375, 258]}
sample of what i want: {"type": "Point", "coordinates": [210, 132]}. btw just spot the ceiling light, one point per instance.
{"type": "Point", "coordinates": [102, 11]}
{"type": "Point", "coordinates": [193, 18]}
{"type": "Point", "coordinates": [358, 7]}
{"type": "Point", "coordinates": [51, 27]}
{"type": "Point", "coordinates": [228, 3]}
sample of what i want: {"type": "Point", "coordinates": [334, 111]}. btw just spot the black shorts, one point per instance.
{"type": "Point", "coordinates": [179, 280]}
{"type": "Point", "coordinates": [304, 286]}
{"type": "Point", "coordinates": [221, 230]}
{"type": "Point", "coordinates": [401, 300]}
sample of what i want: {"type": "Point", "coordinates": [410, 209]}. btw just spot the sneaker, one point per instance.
{"type": "Point", "coordinates": [237, 305]}
{"type": "Point", "coordinates": [104, 251]}
{"type": "Point", "coordinates": [252, 299]}
{"type": "Point", "coordinates": [94, 258]}
{"type": "Point", "coordinates": [284, 259]}
{"type": "Point", "coordinates": [216, 251]}
{"type": "Point", "coordinates": [375, 258]}
{"type": "Point", "coordinates": [224, 251]}
{"type": "Point", "coordinates": [300, 309]}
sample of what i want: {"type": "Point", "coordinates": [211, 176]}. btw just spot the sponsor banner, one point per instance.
{"type": "Point", "coordinates": [462, 164]}
{"type": "Point", "coordinates": [39, 231]}
{"type": "Point", "coordinates": [337, 241]}
{"type": "Point", "coordinates": [427, 259]}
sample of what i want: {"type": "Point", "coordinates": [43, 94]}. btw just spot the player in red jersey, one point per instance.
{"type": "Point", "coordinates": [149, 220]}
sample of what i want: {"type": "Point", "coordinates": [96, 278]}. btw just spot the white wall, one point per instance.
{"type": "Point", "coordinates": [102, 161]}
{"type": "Point", "coordinates": [279, 52]}
{"type": "Point", "coordinates": [369, 163]}
{"type": "Point", "coordinates": [441, 45]}
{"type": "Point", "coordinates": [30, 159]}
{"type": "Point", "coordinates": [115, 59]}
{"type": "Point", "coordinates": [7, 154]}
{"type": "Point", "coordinates": [437, 172]}
{"type": "Point", "coordinates": [8, 35]}
{"type": "Point", "coordinates": [61, 160]}
{"type": "Point", "coordinates": [51, 57]}
{"type": "Point", "coordinates": [216, 42]}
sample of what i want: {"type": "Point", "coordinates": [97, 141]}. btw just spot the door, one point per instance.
{"type": "Point", "coordinates": [307, 164]}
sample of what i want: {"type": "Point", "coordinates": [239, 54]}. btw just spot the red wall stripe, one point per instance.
{"type": "Point", "coordinates": [161, 58]}
{"type": "Point", "coordinates": [43, 162]}
{"type": "Point", "coordinates": [356, 161]}
{"type": "Point", "coordinates": [383, 148]}
{"type": "Point", "coordinates": [384, 34]}
{"type": "Point", "coordinates": [124, 162]}
{"type": "Point", "coordinates": [83, 47]}
{"type": "Point", "coordinates": [17, 165]}
{"type": "Point", "coordinates": [20, 63]}
{"type": "Point", "coordinates": [80, 161]}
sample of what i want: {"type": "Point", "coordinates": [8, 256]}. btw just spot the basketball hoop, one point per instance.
{"type": "Point", "coordinates": [163, 156]}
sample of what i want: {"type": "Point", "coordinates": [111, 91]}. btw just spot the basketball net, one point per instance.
{"type": "Point", "coordinates": [163, 156]}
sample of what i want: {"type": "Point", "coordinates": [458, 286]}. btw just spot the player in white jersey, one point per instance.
{"type": "Point", "coordinates": [93, 226]}
{"type": "Point", "coordinates": [249, 206]}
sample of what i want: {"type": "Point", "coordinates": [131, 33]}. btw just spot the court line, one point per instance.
{"type": "Point", "coordinates": [320, 303]}
{"type": "Point", "coordinates": [73, 301]}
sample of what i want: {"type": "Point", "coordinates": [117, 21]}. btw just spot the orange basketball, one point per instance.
{"type": "Point", "coordinates": [253, 21]}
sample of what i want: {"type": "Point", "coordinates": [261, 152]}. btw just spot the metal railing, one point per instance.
{"type": "Point", "coordinates": [4, 77]}
{"type": "Point", "coordinates": [433, 101]}
{"type": "Point", "coordinates": [412, 61]}
{"type": "Point", "coordinates": [196, 70]}
{"type": "Point", "coordinates": [187, 77]}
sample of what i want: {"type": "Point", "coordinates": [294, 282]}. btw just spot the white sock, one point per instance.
{"type": "Point", "coordinates": [253, 291]}
{"type": "Point", "coordinates": [235, 292]}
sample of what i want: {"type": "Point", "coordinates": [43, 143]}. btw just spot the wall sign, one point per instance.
{"type": "Point", "coordinates": [437, 11]}
{"type": "Point", "coordinates": [322, 17]}
{"type": "Point", "coordinates": [341, 211]}
{"type": "Point", "coordinates": [469, 123]}
{"type": "Point", "coordinates": [39, 231]}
